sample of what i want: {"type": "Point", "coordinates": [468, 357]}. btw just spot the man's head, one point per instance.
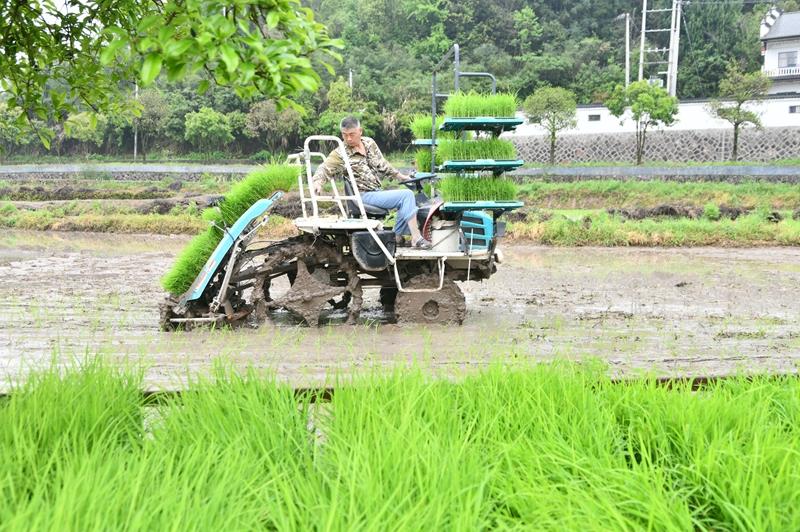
{"type": "Point", "coordinates": [351, 131]}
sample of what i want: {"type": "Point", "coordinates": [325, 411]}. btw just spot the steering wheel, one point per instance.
{"type": "Point", "coordinates": [415, 183]}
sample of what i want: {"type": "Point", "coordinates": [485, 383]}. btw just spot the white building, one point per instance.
{"type": "Point", "coordinates": [776, 111]}
{"type": "Point", "coordinates": [780, 46]}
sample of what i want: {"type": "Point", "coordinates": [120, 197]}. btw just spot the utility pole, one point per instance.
{"type": "Point", "coordinates": [627, 18]}
{"type": "Point", "coordinates": [135, 122]}
{"type": "Point", "coordinates": [641, 46]}
{"type": "Point", "coordinates": [350, 81]}
{"type": "Point", "coordinates": [654, 56]}
{"type": "Point", "coordinates": [627, 49]}
{"type": "Point", "coordinates": [674, 47]}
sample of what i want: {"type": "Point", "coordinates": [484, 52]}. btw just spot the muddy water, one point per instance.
{"type": "Point", "coordinates": [703, 311]}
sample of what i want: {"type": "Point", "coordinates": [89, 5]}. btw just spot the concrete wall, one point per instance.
{"type": "Point", "coordinates": [703, 145]}
{"type": "Point", "coordinates": [692, 115]}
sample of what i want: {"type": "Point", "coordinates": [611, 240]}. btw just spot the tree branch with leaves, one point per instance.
{"type": "Point", "coordinates": [58, 59]}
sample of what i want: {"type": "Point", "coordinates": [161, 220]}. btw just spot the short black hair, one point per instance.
{"type": "Point", "coordinates": [349, 122]}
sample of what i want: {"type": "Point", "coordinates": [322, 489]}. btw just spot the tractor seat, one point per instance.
{"type": "Point", "coordinates": [373, 212]}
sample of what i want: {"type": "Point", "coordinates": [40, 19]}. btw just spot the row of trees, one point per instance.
{"type": "Point", "coordinates": [221, 77]}
{"type": "Point", "coordinates": [175, 120]}
{"type": "Point", "coordinates": [554, 108]}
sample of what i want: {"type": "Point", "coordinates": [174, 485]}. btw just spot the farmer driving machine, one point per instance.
{"type": "Point", "coordinates": [343, 247]}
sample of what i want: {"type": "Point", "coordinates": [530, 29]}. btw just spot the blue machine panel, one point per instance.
{"type": "Point", "coordinates": [228, 239]}
{"type": "Point", "coordinates": [478, 230]}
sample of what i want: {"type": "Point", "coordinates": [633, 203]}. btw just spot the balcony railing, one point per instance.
{"type": "Point", "coordinates": [783, 72]}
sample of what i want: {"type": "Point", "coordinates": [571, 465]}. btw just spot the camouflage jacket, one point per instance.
{"type": "Point", "coordinates": [367, 170]}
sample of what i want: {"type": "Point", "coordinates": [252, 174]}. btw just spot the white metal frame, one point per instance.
{"type": "Point", "coordinates": [346, 222]}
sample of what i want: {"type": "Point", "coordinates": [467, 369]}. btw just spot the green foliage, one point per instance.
{"type": "Point", "coordinates": [86, 127]}
{"type": "Point", "coordinates": [242, 195]}
{"type": "Point", "coordinates": [207, 129]}
{"type": "Point", "coordinates": [740, 89]}
{"type": "Point", "coordinates": [343, 102]}
{"type": "Point", "coordinates": [471, 104]}
{"type": "Point", "coordinates": [649, 105]}
{"type": "Point", "coordinates": [258, 48]}
{"type": "Point", "coordinates": [272, 127]}
{"type": "Point", "coordinates": [485, 148]}
{"type": "Point", "coordinates": [153, 120]}
{"type": "Point", "coordinates": [456, 188]}
{"type": "Point", "coordinates": [554, 109]}
{"type": "Point", "coordinates": [12, 134]}
{"type": "Point", "coordinates": [244, 452]}
{"type": "Point", "coordinates": [711, 211]}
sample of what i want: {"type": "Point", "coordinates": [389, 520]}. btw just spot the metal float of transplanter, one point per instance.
{"type": "Point", "coordinates": [345, 249]}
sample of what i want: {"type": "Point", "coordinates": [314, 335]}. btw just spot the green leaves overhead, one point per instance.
{"type": "Point", "coordinates": [54, 59]}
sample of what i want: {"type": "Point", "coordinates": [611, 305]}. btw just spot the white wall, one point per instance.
{"type": "Point", "coordinates": [771, 68]}
{"type": "Point", "coordinates": [774, 48]}
{"type": "Point", "coordinates": [691, 115]}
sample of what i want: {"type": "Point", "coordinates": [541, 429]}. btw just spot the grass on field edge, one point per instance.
{"type": "Point", "coordinates": [515, 445]}
{"type": "Point", "coordinates": [596, 229]}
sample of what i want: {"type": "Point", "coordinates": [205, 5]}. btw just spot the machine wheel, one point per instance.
{"type": "Point", "coordinates": [446, 306]}
{"type": "Point", "coordinates": [319, 268]}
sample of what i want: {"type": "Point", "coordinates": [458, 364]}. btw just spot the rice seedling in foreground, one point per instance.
{"type": "Point", "coordinates": [258, 184]}
{"type": "Point", "coordinates": [473, 104]}
{"type": "Point", "coordinates": [554, 446]}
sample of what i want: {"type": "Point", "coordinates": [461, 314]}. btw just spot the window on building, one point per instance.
{"type": "Point", "coordinates": [794, 108]}
{"type": "Point", "coordinates": [594, 118]}
{"type": "Point", "coordinates": [787, 59]}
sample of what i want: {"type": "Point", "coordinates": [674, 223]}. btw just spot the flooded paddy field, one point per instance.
{"type": "Point", "coordinates": [670, 312]}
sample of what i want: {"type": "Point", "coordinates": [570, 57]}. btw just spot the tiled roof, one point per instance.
{"type": "Point", "coordinates": [787, 25]}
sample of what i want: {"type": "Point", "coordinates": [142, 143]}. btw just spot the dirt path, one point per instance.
{"type": "Point", "coordinates": [700, 311]}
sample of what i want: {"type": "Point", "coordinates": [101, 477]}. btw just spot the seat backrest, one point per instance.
{"type": "Point", "coordinates": [351, 205]}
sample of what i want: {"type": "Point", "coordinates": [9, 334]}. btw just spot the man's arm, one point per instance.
{"type": "Point", "coordinates": [385, 168]}
{"type": "Point", "coordinates": [330, 167]}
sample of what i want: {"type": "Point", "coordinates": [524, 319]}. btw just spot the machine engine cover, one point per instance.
{"type": "Point", "coordinates": [477, 227]}
{"type": "Point", "coordinates": [366, 251]}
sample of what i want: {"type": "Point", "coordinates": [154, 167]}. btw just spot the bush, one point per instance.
{"type": "Point", "coordinates": [711, 212]}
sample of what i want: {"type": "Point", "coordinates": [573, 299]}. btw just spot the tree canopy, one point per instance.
{"type": "Point", "coordinates": [740, 88]}
{"type": "Point", "coordinates": [554, 109]}
{"type": "Point", "coordinates": [649, 106]}
{"type": "Point", "coordinates": [55, 57]}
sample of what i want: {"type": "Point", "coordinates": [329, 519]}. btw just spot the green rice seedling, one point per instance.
{"type": "Point", "coordinates": [420, 126]}
{"type": "Point", "coordinates": [458, 188]}
{"type": "Point", "coordinates": [515, 446]}
{"type": "Point", "coordinates": [473, 104]}
{"type": "Point", "coordinates": [422, 159]}
{"type": "Point", "coordinates": [58, 417]}
{"type": "Point", "coordinates": [467, 150]}
{"type": "Point", "coordinates": [258, 184]}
